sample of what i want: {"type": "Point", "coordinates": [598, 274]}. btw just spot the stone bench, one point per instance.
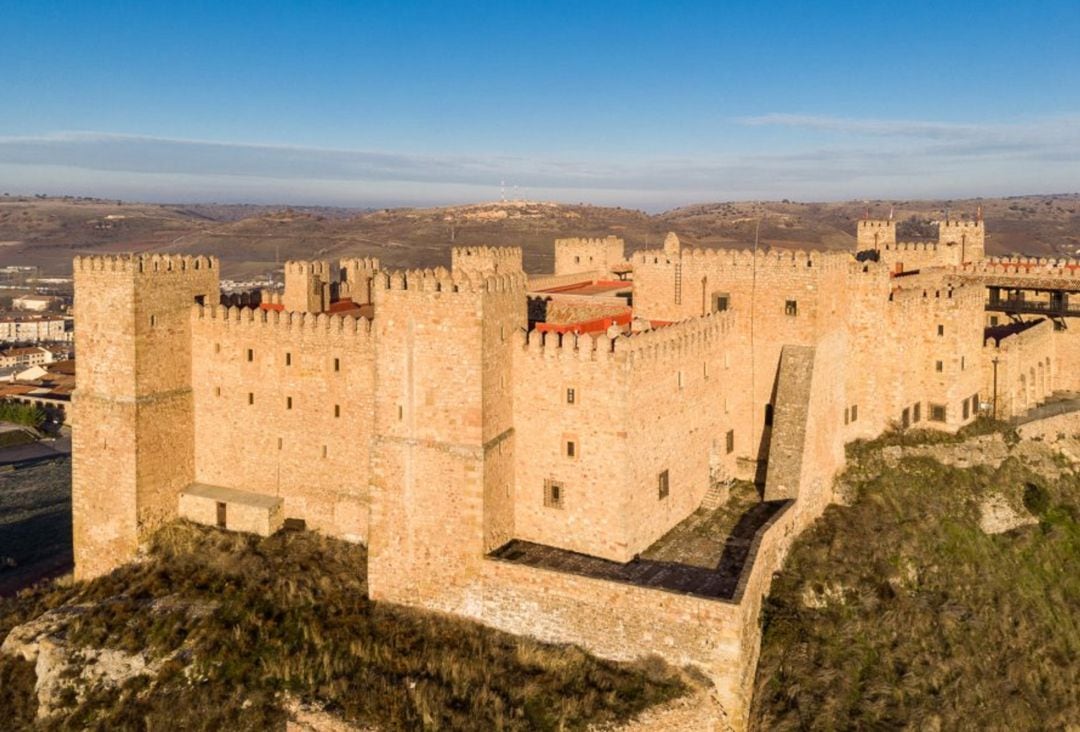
{"type": "Point", "coordinates": [232, 509]}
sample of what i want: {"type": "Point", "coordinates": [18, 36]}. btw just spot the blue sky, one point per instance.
{"type": "Point", "coordinates": [649, 105]}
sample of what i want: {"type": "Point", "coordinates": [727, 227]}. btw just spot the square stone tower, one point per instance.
{"type": "Point", "coordinates": [967, 239]}
{"type": "Point", "coordinates": [875, 234]}
{"type": "Point", "coordinates": [442, 466]}
{"type": "Point", "coordinates": [132, 407]}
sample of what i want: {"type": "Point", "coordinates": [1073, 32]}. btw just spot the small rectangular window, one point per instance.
{"type": "Point", "coordinates": [288, 359]}
{"type": "Point", "coordinates": [153, 320]}
{"type": "Point", "coordinates": [937, 412]}
{"type": "Point", "coordinates": [337, 410]}
{"type": "Point", "coordinates": [905, 418]}
{"type": "Point", "coordinates": [967, 408]}
{"type": "Point", "coordinates": [662, 484]}
{"type": "Point", "coordinates": [570, 396]}
{"type": "Point", "coordinates": [993, 321]}
{"type": "Point", "coordinates": [720, 302]}
{"type": "Point", "coordinates": [939, 366]}
{"type": "Point", "coordinates": [337, 364]}
{"type": "Point", "coordinates": [250, 354]}
{"type": "Point", "coordinates": [941, 330]}
{"type": "Point", "coordinates": [916, 413]}
{"type": "Point", "coordinates": [730, 441]}
{"type": "Point", "coordinates": [251, 397]}
{"type": "Point", "coordinates": [571, 448]}
{"type": "Point", "coordinates": [288, 402]}
{"type": "Point", "coordinates": [791, 307]}
{"type": "Point", "coordinates": [221, 509]}
{"type": "Point", "coordinates": [854, 412]}
{"type": "Point", "coordinates": [554, 494]}
{"type": "Point", "coordinates": [962, 363]}
{"type": "Point", "coordinates": [217, 391]}
{"type": "Point", "coordinates": [847, 415]}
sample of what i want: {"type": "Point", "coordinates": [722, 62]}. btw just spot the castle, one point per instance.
{"type": "Point", "coordinates": [508, 446]}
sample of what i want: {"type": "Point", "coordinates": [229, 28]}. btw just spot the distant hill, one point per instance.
{"type": "Point", "coordinates": [251, 239]}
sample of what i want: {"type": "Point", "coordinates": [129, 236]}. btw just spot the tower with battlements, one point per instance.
{"type": "Point", "coordinates": [134, 441]}
{"type": "Point", "coordinates": [443, 452]}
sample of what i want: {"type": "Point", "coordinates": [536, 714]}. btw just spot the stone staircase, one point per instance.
{"type": "Point", "coordinates": [789, 422]}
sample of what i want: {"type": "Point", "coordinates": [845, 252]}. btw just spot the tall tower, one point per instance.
{"type": "Point", "coordinates": [132, 409]}
{"type": "Point", "coordinates": [875, 234]}
{"type": "Point", "coordinates": [967, 238]}
{"type": "Point", "coordinates": [307, 286]}
{"type": "Point", "coordinates": [442, 456]}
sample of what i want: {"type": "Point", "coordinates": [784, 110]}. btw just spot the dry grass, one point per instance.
{"type": "Point", "coordinates": [919, 618]}
{"type": "Point", "coordinates": [289, 616]}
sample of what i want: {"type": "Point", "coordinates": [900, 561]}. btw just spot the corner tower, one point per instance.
{"type": "Point", "coordinates": [967, 237]}
{"type": "Point", "coordinates": [132, 409]}
{"type": "Point", "coordinates": [442, 460]}
{"type": "Point", "coordinates": [875, 234]}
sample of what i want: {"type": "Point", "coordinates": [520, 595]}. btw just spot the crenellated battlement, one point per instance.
{"type": "Point", "coordinates": [960, 224]}
{"type": "Point", "coordinates": [441, 279]}
{"type": "Point", "coordinates": [486, 259]}
{"type": "Point", "coordinates": [676, 340]}
{"type": "Point", "coordinates": [234, 317]}
{"type": "Point", "coordinates": [308, 267]}
{"type": "Point", "coordinates": [584, 241]}
{"type": "Point", "coordinates": [144, 264]}
{"type": "Point", "coordinates": [508, 253]}
{"type": "Point", "coordinates": [359, 263]}
{"type": "Point", "coordinates": [773, 257]}
{"type": "Point", "coordinates": [911, 246]}
{"type": "Point", "coordinates": [956, 291]}
{"type": "Point", "coordinates": [670, 342]}
{"type": "Point", "coordinates": [1024, 265]}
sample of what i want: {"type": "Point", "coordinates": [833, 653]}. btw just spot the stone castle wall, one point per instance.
{"type": "Point", "coordinates": [585, 255]}
{"type": "Point", "coordinates": [283, 405]}
{"type": "Point", "coordinates": [133, 405]}
{"type": "Point", "coordinates": [431, 431]}
{"type": "Point", "coordinates": [626, 428]}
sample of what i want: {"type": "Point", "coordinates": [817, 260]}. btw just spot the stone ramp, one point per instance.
{"type": "Point", "coordinates": [790, 413]}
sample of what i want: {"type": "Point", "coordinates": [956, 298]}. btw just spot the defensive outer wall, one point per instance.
{"type": "Point", "coordinates": [515, 476]}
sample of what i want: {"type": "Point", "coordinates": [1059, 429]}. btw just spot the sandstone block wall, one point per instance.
{"type": "Point", "coordinates": [1027, 363]}
{"type": "Point", "coordinates": [133, 435]}
{"type": "Point", "coordinates": [307, 286]}
{"type": "Point", "coordinates": [283, 406]}
{"type": "Point", "coordinates": [494, 260]}
{"type": "Point", "coordinates": [442, 488]}
{"type": "Point", "coordinates": [584, 255]}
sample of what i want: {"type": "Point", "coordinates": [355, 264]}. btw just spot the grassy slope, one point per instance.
{"type": "Point", "coordinates": [292, 618]}
{"type": "Point", "coordinates": [933, 623]}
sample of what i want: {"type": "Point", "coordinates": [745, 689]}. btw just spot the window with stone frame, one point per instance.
{"type": "Point", "coordinates": [554, 494]}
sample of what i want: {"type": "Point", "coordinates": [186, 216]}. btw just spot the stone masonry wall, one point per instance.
{"type": "Point", "coordinates": [283, 407]}
{"type": "Point", "coordinates": [133, 433]}
{"type": "Point", "coordinates": [583, 255]}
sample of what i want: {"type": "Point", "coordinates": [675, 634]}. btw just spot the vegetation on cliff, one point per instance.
{"type": "Point", "coordinates": [234, 626]}
{"type": "Point", "coordinates": [900, 611]}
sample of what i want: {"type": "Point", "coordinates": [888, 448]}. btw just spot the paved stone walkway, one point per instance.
{"type": "Point", "coordinates": [718, 582]}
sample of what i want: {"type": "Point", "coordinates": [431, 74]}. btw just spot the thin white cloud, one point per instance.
{"type": "Point", "coordinates": [865, 158]}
